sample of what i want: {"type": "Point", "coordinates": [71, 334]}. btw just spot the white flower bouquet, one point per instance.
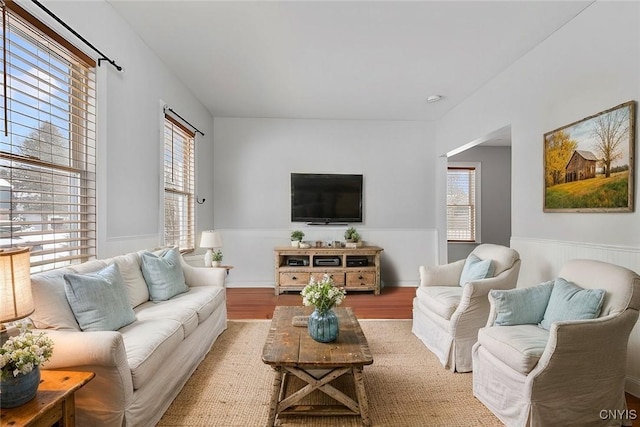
{"type": "Point", "coordinates": [322, 294]}
{"type": "Point", "coordinates": [20, 354]}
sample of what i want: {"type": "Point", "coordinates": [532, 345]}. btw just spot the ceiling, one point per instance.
{"type": "Point", "coordinates": [355, 60]}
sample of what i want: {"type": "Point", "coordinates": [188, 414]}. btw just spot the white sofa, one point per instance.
{"type": "Point", "coordinates": [141, 367]}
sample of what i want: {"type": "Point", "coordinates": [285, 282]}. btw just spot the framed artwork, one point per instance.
{"type": "Point", "coordinates": [589, 164]}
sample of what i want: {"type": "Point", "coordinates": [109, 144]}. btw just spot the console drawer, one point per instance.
{"type": "Point", "coordinates": [360, 278]}
{"type": "Point", "coordinates": [299, 279]}
{"type": "Point", "coordinates": [337, 276]}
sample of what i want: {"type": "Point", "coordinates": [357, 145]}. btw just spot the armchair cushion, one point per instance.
{"type": "Point", "coordinates": [569, 301]}
{"type": "Point", "coordinates": [475, 269]}
{"type": "Point", "coordinates": [99, 300]}
{"type": "Point", "coordinates": [521, 306]}
{"type": "Point", "coordinates": [441, 300]}
{"type": "Point", "coordinates": [519, 347]}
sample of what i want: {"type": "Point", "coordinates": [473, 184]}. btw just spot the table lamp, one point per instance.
{"type": "Point", "coordinates": [210, 240]}
{"type": "Point", "coordinates": [16, 301]}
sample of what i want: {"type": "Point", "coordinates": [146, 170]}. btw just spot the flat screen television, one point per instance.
{"type": "Point", "coordinates": [326, 198]}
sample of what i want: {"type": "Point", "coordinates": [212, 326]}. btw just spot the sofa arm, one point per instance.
{"type": "Point", "coordinates": [441, 275]}
{"type": "Point", "coordinates": [100, 348]}
{"type": "Point", "coordinates": [104, 399]}
{"type": "Point", "coordinates": [204, 276]}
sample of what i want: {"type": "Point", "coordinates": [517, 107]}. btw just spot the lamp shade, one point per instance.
{"type": "Point", "coordinates": [16, 300]}
{"type": "Point", "coordinates": [210, 239]}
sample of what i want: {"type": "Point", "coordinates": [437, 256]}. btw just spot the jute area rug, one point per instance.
{"type": "Point", "coordinates": [406, 385]}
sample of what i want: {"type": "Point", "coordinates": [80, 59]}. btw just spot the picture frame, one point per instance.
{"type": "Point", "coordinates": [589, 165]}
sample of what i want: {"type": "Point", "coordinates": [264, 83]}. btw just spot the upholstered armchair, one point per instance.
{"type": "Point", "coordinates": [451, 303]}
{"type": "Point", "coordinates": [555, 353]}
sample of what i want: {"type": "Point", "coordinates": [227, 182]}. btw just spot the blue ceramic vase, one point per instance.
{"type": "Point", "coordinates": [323, 325]}
{"type": "Point", "coordinates": [16, 391]}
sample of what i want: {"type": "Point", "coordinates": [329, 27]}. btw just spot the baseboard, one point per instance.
{"type": "Point", "coordinates": [632, 386]}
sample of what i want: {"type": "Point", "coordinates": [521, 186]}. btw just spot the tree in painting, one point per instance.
{"type": "Point", "coordinates": [610, 131]}
{"type": "Point", "coordinates": [559, 149]}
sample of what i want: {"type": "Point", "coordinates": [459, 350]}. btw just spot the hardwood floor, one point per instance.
{"type": "Point", "coordinates": [392, 303]}
{"type": "Point", "coordinates": [258, 303]}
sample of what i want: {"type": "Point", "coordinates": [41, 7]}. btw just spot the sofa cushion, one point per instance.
{"type": "Point", "coordinates": [187, 317]}
{"type": "Point", "coordinates": [99, 300]}
{"type": "Point", "coordinates": [522, 305]}
{"type": "Point", "coordinates": [442, 300]}
{"type": "Point", "coordinates": [131, 270]}
{"type": "Point", "coordinates": [149, 343]}
{"type": "Point", "coordinates": [569, 301]}
{"type": "Point", "coordinates": [202, 299]}
{"type": "Point", "coordinates": [52, 308]}
{"type": "Point", "coordinates": [519, 347]}
{"type": "Point", "coordinates": [475, 269]}
{"type": "Point", "coordinates": [163, 274]}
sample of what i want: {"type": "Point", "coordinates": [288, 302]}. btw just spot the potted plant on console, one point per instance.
{"type": "Point", "coordinates": [216, 258]}
{"type": "Point", "coordinates": [296, 238]}
{"type": "Point", "coordinates": [353, 238]}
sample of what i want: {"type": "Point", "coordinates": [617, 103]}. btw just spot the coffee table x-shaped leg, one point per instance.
{"type": "Point", "coordinates": [290, 405]}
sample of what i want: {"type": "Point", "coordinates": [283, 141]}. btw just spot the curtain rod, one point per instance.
{"type": "Point", "coordinates": [166, 107]}
{"type": "Point", "coordinates": [103, 57]}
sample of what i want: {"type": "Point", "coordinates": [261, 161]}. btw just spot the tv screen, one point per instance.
{"type": "Point", "coordinates": [326, 198]}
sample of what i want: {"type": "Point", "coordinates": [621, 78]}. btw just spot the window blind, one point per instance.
{"type": "Point", "coordinates": [179, 187]}
{"type": "Point", "coordinates": [461, 204]}
{"type": "Point", "coordinates": [47, 144]}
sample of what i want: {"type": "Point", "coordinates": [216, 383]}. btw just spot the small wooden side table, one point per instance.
{"type": "Point", "coordinates": [54, 401]}
{"type": "Point", "coordinates": [226, 267]}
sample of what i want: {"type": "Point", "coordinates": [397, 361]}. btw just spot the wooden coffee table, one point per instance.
{"type": "Point", "coordinates": [291, 351]}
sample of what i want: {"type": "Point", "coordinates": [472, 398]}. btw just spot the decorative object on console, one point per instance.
{"type": "Point", "coordinates": [323, 295]}
{"type": "Point", "coordinates": [210, 240]}
{"type": "Point", "coordinates": [589, 164]}
{"type": "Point", "coordinates": [22, 352]}
{"type": "Point", "coordinates": [296, 238]}
{"type": "Point", "coordinates": [353, 238]}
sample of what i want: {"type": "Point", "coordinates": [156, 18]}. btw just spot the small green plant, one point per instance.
{"type": "Point", "coordinates": [297, 235]}
{"type": "Point", "coordinates": [352, 235]}
{"type": "Point", "coordinates": [217, 256]}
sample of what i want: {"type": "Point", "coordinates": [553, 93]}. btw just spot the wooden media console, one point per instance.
{"type": "Point", "coordinates": [356, 269]}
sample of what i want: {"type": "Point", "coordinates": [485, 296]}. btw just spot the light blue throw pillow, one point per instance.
{"type": "Point", "coordinates": [99, 300]}
{"type": "Point", "coordinates": [569, 301]}
{"type": "Point", "coordinates": [475, 269]}
{"type": "Point", "coordinates": [522, 306]}
{"type": "Point", "coordinates": [163, 274]}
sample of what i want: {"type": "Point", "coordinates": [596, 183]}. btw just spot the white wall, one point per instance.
{"type": "Point", "coordinates": [130, 128]}
{"type": "Point", "coordinates": [590, 65]}
{"type": "Point", "coordinates": [253, 159]}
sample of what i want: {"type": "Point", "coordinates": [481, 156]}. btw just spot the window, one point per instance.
{"type": "Point", "coordinates": [462, 203]}
{"type": "Point", "coordinates": [179, 192]}
{"type": "Point", "coordinates": [47, 144]}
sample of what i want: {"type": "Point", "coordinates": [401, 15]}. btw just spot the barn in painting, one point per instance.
{"type": "Point", "coordinates": [581, 165]}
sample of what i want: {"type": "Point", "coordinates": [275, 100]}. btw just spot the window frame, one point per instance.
{"type": "Point", "coordinates": [185, 242]}
{"type": "Point", "coordinates": [62, 151]}
{"type": "Point", "coordinates": [476, 166]}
